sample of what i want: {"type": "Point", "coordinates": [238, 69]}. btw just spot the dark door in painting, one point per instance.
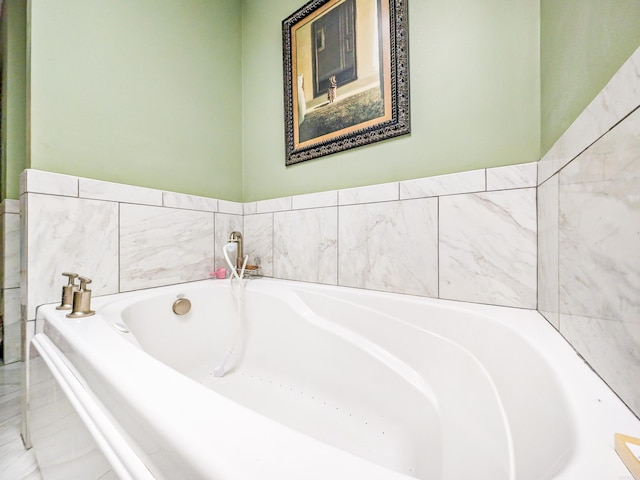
{"type": "Point", "coordinates": [334, 47]}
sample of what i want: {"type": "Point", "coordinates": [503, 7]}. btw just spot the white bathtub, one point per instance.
{"type": "Point", "coordinates": [333, 383]}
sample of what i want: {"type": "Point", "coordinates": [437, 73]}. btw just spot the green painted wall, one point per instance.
{"type": "Point", "coordinates": [14, 57]}
{"type": "Point", "coordinates": [583, 43]}
{"type": "Point", "coordinates": [474, 95]}
{"type": "Point", "coordinates": [186, 95]}
{"type": "Point", "coordinates": [142, 92]}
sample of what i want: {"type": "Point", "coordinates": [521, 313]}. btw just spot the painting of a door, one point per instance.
{"type": "Point", "coordinates": [334, 49]}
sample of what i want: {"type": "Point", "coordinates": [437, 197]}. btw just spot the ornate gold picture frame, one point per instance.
{"type": "Point", "coordinates": [346, 76]}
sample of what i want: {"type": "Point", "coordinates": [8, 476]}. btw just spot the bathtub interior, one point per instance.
{"type": "Point", "coordinates": [374, 376]}
{"type": "Point", "coordinates": [539, 418]}
{"type": "Point", "coordinates": [283, 375]}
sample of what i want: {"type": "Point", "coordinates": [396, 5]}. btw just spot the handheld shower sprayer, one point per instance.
{"type": "Point", "coordinates": [234, 247]}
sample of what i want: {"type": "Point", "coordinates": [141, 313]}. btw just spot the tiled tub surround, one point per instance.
{"type": "Point", "coordinates": [10, 280]}
{"type": "Point", "coordinates": [589, 234]}
{"type": "Point", "coordinates": [123, 237]}
{"type": "Point", "coordinates": [408, 237]}
{"type": "Point", "coordinates": [412, 237]}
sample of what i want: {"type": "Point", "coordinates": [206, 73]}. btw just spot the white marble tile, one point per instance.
{"type": "Point", "coordinates": [37, 181]}
{"type": "Point", "coordinates": [225, 224]}
{"type": "Point", "coordinates": [28, 332]}
{"type": "Point", "coordinates": [118, 192]}
{"type": "Point", "coordinates": [382, 192]}
{"type": "Point", "coordinates": [68, 234]}
{"type": "Point", "coordinates": [454, 183]}
{"type": "Point", "coordinates": [10, 249]}
{"type": "Point", "coordinates": [612, 348]}
{"type": "Point", "coordinates": [615, 156]}
{"type": "Point", "coordinates": [24, 252]}
{"type": "Point", "coordinates": [163, 246]}
{"type": "Point", "coordinates": [488, 247]}
{"type": "Point", "coordinates": [599, 266]}
{"type": "Point", "coordinates": [390, 246]}
{"type": "Point", "coordinates": [512, 176]}
{"type": "Point", "coordinates": [548, 250]}
{"type": "Point", "coordinates": [17, 462]}
{"type": "Point", "coordinates": [10, 206]}
{"type": "Point", "coordinates": [315, 200]}
{"type": "Point", "coordinates": [273, 205]}
{"type": "Point", "coordinates": [11, 379]}
{"type": "Point", "coordinates": [250, 208]}
{"type": "Point", "coordinates": [11, 305]}
{"type": "Point", "coordinates": [619, 97]}
{"type": "Point", "coordinates": [258, 241]}
{"type": "Point", "coordinates": [235, 208]}
{"type": "Point", "coordinates": [12, 343]}
{"type": "Point", "coordinates": [66, 448]}
{"type": "Point", "coordinates": [189, 202]}
{"type": "Point", "coordinates": [305, 245]}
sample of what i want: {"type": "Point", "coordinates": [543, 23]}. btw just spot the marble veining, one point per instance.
{"type": "Point", "coordinates": [12, 342]}
{"type": "Point", "coordinates": [488, 247]}
{"type": "Point", "coordinates": [69, 234]}
{"type": "Point", "coordinates": [391, 246]}
{"type": "Point", "coordinates": [225, 206]}
{"type": "Point", "coordinates": [382, 192]}
{"type": "Point", "coordinates": [10, 206]}
{"type": "Point", "coordinates": [315, 200]}
{"type": "Point", "coordinates": [512, 176]}
{"type": "Point", "coordinates": [599, 265]}
{"type": "Point", "coordinates": [589, 229]}
{"type": "Point", "coordinates": [273, 205]}
{"type": "Point", "coordinates": [250, 208]}
{"type": "Point", "coordinates": [11, 305]}
{"type": "Point", "coordinates": [548, 250]}
{"type": "Point", "coordinates": [10, 250]}
{"type": "Point", "coordinates": [162, 246]}
{"type": "Point", "coordinates": [612, 348]}
{"type": "Point", "coordinates": [258, 239]}
{"type": "Point", "coordinates": [16, 462]}
{"type": "Point", "coordinates": [464, 182]}
{"type": "Point", "coordinates": [118, 192]}
{"type": "Point", "coordinates": [305, 245]}
{"type": "Point", "coordinates": [189, 202]}
{"type": "Point", "coordinates": [599, 227]}
{"type": "Point", "coordinates": [37, 181]}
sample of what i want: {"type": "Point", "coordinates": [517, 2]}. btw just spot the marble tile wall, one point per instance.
{"type": "Point", "coordinates": [488, 247]}
{"type": "Point", "coordinates": [589, 234]}
{"type": "Point", "coordinates": [469, 236]}
{"type": "Point", "coordinates": [122, 237]}
{"type": "Point", "coordinates": [160, 246]}
{"type": "Point", "coordinates": [413, 237]}
{"type": "Point", "coordinates": [10, 280]}
{"type": "Point", "coordinates": [390, 246]}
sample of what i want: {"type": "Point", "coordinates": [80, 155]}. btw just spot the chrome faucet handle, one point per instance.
{"type": "Point", "coordinates": [67, 291]}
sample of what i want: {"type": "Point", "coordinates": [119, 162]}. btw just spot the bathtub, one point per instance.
{"type": "Point", "coordinates": [322, 383]}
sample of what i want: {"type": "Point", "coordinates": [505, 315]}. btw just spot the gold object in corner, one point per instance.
{"type": "Point", "coordinates": [624, 444]}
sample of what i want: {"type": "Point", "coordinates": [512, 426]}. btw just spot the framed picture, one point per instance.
{"type": "Point", "coordinates": [346, 76]}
